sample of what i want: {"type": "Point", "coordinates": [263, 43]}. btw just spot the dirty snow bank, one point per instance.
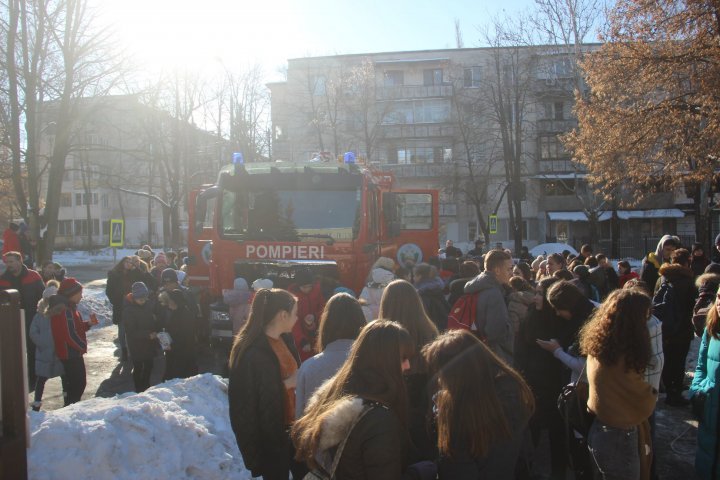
{"type": "Point", "coordinates": [178, 429]}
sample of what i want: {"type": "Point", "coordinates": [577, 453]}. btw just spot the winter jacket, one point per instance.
{"type": "Point", "coordinates": [255, 396]}
{"type": "Point", "coordinates": [698, 264]}
{"type": "Point", "coordinates": [492, 318]}
{"type": "Point", "coordinates": [518, 304]}
{"type": "Point", "coordinates": [139, 323]}
{"type": "Point", "coordinates": [30, 286]}
{"type": "Point", "coordinates": [707, 285]}
{"type": "Point", "coordinates": [682, 280]}
{"type": "Point", "coordinates": [599, 279]}
{"type": "Point", "coordinates": [315, 370]}
{"type": "Point", "coordinates": [68, 331]}
{"type": "Point", "coordinates": [502, 455]}
{"type": "Point", "coordinates": [118, 285]}
{"type": "Point", "coordinates": [707, 381]}
{"type": "Point", "coordinates": [305, 335]}
{"type": "Point", "coordinates": [180, 360]}
{"type": "Point", "coordinates": [372, 293]}
{"type": "Point", "coordinates": [47, 364]}
{"type": "Point", "coordinates": [625, 277]}
{"type": "Point", "coordinates": [649, 272]}
{"type": "Point", "coordinates": [543, 373]}
{"type": "Point", "coordinates": [433, 299]}
{"type": "Point", "coordinates": [376, 448]}
{"type": "Point", "coordinates": [11, 242]}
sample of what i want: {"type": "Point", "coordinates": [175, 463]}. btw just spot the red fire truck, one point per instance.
{"type": "Point", "coordinates": [267, 220]}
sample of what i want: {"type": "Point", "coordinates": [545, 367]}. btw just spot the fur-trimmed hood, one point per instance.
{"type": "Point", "coordinates": [707, 279]}
{"type": "Point", "coordinates": [673, 271]}
{"type": "Point", "coordinates": [337, 422]}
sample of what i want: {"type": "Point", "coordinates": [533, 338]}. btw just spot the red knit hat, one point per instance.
{"type": "Point", "coordinates": [69, 287]}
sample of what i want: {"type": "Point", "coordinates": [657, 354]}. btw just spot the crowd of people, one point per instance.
{"type": "Point", "coordinates": [452, 369]}
{"type": "Point", "coordinates": [155, 312]}
{"type": "Point", "coordinates": [448, 369]}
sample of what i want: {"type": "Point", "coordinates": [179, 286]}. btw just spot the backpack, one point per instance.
{"type": "Point", "coordinates": [664, 306]}
{"type": "Point", "coordinates": [464, 312]}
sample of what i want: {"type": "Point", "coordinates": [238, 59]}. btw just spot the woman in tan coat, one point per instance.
{"type": "Point", "coordinates": [617, 345]}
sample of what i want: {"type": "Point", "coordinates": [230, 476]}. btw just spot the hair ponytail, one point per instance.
{"type": "Point", "coordinates": [265, 306]}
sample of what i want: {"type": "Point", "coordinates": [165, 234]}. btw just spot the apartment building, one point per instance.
{"type": "Point", "coordinates": [122, 156]}
{"type": "Point", "coordinates": [439, 117]}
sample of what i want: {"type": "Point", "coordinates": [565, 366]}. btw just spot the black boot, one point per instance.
{"type": "Point", "coordinates": [124, 355]}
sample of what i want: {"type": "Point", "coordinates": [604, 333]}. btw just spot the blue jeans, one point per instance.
{"type": "Point", "coordinates": [614, 451]}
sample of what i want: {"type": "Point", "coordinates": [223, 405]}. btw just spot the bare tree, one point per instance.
{"type": "Point", "coordinates": [53, 58]}
{"type": "Point", "coordinates": [509, 88]}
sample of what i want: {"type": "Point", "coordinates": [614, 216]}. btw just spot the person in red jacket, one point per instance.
{"type": "Point", "coordinates": [310, 304]}
{"type": "Point", "coordinates": [68, 330]}
{"type": "Point", "coordinates": [11, 239]}
{"type": "Point", "coordinates": [30, 285]}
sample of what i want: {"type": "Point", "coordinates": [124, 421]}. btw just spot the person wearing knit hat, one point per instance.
{"type": "Point", "coordinates": [138, 315]}
{"type": "Point", "coordinates": [47, 364]}
{"type": "Point", "coordinates": [169, 275]}
{"type": "Point", "coordinates": [169, 281]}
{"type": "Point", "coordinates": [68, 331]}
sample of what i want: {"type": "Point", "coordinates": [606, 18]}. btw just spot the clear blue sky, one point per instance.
{"type": "Point", "coordinates": [236, 33]}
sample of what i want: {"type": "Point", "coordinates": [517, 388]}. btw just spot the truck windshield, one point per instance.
{"type": "Point", "coordinates": [291, 215]}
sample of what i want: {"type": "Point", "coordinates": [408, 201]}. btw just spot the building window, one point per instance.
{"type": "Point", "coordinates": [106, 227]}
{"type": "Point", "coordinates": [96, 226]}
{"type": "Point", "coordinates": [418, 111]}
{"type": "Point", "coordinates": [472, 231]}
{"type": "Point", "coordinates": [316, 83]}
{"type": "Point", "coordinates": [559, 108]}
{"type": "Point", "coordinates": [105, 200]}
{"type": "Point", "coordinates": [415, 155]}
{"type": "Point", "coordinates": [394, 78]}
{"type": "Point", "coordinates": [471, 77]}
{"type": "Point", "coordinates": [551, 148]}
{"type": "Point", "coordinates": [66, 199]}
{"type": "Point", "coordinates": [80, 227]}
{"type": "Point", "coordinates": [432, 76]}
{"type": "Point", "coordinates": [65, 228]}
{"type": "Point", "coordinates": [85, 199]}
{"type": "Point", "coordinates": [78, 199]}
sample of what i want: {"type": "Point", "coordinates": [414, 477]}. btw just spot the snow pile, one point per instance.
{"type": "Point", "coordinates": [178, 429]}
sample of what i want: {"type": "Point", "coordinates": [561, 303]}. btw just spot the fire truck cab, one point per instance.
{"type": "Point", "coordinates": [267, 220]}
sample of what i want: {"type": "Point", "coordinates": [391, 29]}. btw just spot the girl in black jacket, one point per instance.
{"type": "Point", "coordinates": [261, 390]}
{"type": "Point", "coordinates": [140, 330]}
{"type": "Point", "coordinates": [180, 324]}
{"type": "Point", "coordinates": [365, 402]}
{"type": "Point", "coordinates": [482, 408]}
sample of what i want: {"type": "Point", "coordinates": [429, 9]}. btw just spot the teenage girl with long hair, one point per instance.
{"type": "Point", "coordinates": [261, 391]}
{"type": "Point", "coordinates": [482, 408]}
{"type": "Point", "coordinates": [367, 399]}
{"type": "Point", "coordinates": [401, 303]}
{"type": "Point", "coordinates": [617, 344]}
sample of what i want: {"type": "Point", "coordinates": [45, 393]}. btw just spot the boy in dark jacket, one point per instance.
{"type": "Point", "coordinates": [676, 321]}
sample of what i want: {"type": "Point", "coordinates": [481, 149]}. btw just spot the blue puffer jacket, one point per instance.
{"type": "Point", "coordinates": [707, 379]}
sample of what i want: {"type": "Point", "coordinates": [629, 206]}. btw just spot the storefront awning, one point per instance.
{"type": "Point", "coordinates": [579, 216]}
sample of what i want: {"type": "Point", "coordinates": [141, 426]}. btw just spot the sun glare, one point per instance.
{"type": "Point", "coordinates": [205, 36]}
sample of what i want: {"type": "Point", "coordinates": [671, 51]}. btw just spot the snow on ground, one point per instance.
{"type": "Point", "coordinates": [95, 301]}
{"type": "Point", "coordinates": [79, 257]}
{"type": "Point", "coordinates": [178, 429]}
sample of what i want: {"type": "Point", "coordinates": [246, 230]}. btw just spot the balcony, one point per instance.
{"type": "Point", "coordinates": [559, 165]}
{"type": "Point", "coordinates": [556, 126]}
{"type": "Point", "coordinates": [427, 170]}
{"type": "Point", "coordinates": [420, 130]}
{"type": "Point", "coordinates": [398, 92]}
